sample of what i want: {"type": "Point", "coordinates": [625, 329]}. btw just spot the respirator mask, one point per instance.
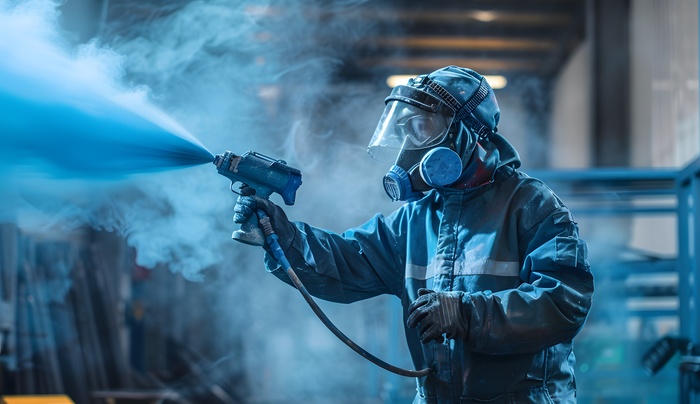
{"type": "Point", "coordinates": [414, 133]}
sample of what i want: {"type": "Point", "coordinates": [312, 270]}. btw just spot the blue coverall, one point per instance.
{"type": "Point", "coordinates": [511, 245]}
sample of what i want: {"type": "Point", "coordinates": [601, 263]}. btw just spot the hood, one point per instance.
{"type": "Point", "coordinates": [508, 155]}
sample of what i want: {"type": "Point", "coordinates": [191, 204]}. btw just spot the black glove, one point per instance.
{"type": "Point", "coordinates": [438, 313]}
{"type": "Point", "coordinates": [246, 204]}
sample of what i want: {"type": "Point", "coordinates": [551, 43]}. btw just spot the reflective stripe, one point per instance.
{"type": "Point", "coordinates": [478, 267]}
{"type": "Point", "coordinates": [421, 272]}
{"type": "Point", "coordinates": [486, 266]}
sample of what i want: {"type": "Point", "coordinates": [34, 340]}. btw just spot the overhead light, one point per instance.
{"type": "Point", "coordinates": [484, 16]}
{"type": "Point", "coordinates": [399, 79]}
{"type": "Point", "coordinates": [496, 82]}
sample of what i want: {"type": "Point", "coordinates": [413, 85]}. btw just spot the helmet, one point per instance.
{"type": "Point", "coordinates": [430, 128]}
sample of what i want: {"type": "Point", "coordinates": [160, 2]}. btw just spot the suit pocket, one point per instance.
{"type": "Point", "coordinates": [570, 252]}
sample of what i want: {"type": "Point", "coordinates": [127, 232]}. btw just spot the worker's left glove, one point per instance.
{"type": "Point", "coordinates": [439, 313]}
{"type": "Point", "coordinates": [246, 206]}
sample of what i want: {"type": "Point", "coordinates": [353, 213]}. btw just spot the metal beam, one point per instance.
{"type": "Point", "coordinates": [611, 87]}
{"type": "Point", "coordinates": [464, 15]}
{"type": "Point", "coordinates": [454, 43]}
{"type": "Point", "coordinates": [481, 65]}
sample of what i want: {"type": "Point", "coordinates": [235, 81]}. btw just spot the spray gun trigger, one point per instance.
{"type": "Point", "coordinates": [233, 190]}
{"type": "Point", "coordinates": [246, 190]}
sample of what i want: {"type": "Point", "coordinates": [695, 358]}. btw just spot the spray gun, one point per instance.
{"type": "Point", "coordinates": [261, 175]}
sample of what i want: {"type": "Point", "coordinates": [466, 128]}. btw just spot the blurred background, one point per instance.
{"type": "Point", "coordinates": [132, 290]}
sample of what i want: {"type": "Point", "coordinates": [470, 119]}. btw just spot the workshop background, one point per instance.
{"type": "Point", "coordinates": [130, 289]}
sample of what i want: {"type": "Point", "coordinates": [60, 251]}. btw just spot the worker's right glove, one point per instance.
{"type": "Point", "coordinates": [247, 204]}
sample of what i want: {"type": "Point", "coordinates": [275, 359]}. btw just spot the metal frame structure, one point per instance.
{"type": "Point", "coordinates": [640, 192]}
{"type": "Point", "coordinates": [688, 267]}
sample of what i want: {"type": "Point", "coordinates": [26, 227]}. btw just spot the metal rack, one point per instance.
{"type": "Point", "coordinates": [640, 295]}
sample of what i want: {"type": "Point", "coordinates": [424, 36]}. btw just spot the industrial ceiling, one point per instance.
{"type": "Point", "coordinates": [501, 37]}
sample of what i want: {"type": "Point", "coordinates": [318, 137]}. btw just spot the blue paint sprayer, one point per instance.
{"type": "Point", "coordinates": [261, 175]}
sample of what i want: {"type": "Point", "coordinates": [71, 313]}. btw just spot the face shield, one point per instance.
{"type": "Point", "coordinates": [412, 120]}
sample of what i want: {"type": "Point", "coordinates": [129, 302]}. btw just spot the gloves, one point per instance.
{"type": "Point", "coordinates": [246, 204]}
{"type": "Point", "coordinates": [439, 313]}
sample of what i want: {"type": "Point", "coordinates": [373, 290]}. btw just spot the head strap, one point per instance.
{"type": "Point", "coordinates": [475, 100]}
{"type": "Point", "coordinates": [462, 112]}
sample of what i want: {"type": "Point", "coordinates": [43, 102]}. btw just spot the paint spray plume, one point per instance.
{"type": "Point", "coordinates": [65, 114]}
{"type": "Point", "coordinates": [73, 133]}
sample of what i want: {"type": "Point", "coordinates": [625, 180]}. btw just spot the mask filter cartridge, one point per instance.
{"type": "Point", "coordinates": [440, 167]}
{"type": "Point", "coordinates": [397, 185]}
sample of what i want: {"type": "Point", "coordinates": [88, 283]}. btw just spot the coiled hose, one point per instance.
{"type": "Point", "coordinates": [271, 239]}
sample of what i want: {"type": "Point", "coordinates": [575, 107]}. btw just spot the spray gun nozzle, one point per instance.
{"type": "Point", "coordinates": [219, 159]}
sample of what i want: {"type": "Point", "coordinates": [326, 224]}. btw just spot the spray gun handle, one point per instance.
{"type": "Point", "coordinates": [250, 232]}
{"type": "Point", "coordinates": [262, 176]}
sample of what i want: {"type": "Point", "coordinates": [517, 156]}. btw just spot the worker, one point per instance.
{"type": "Point", "coordinates": [487, 261]}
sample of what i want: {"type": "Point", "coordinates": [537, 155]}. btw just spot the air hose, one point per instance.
{"type": "Point", "coordinates": [271, 239]}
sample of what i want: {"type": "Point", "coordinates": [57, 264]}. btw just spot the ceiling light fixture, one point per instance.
{"type": "Point", "coordinates": [484, 16]}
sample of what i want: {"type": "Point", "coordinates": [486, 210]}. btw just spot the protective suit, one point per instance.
{"type": "Point", "coordinates": [490, 270]}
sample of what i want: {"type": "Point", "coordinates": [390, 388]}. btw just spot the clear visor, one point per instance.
{"type": "Point", "coordinates": [407, 127]}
